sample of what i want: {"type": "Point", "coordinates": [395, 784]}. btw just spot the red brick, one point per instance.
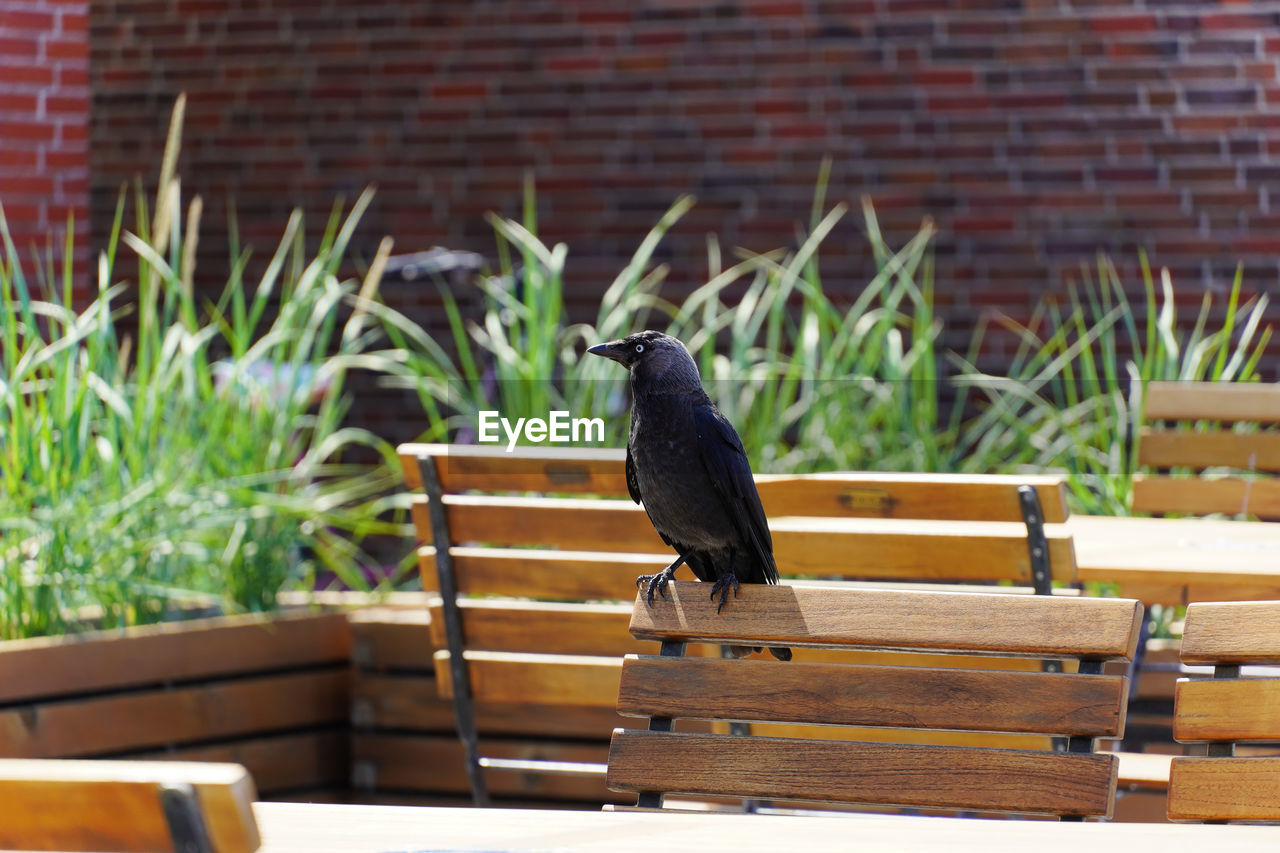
{"type": "Point", "coordinates": [26, 131]}
{"type": "Point", "coordinates": [23, 102]}
{"type": "Point", "coordinates": [1237, 21]}
{"type": "Point", "coordinates": [573, 63]}
{"type": "Point", "coordinates": [33, 20]}
{"type": "Point", "coordinates": [18, 47]}
{"type": "Point", "coordinates": [944, 77]}
{"type": "Point", "coordinates": [476, 89]}
{"type": "Point", "coordinates": [1112, 24]}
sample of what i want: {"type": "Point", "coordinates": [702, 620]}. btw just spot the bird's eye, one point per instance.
{"type": "Point", "coordinates": [639, 347]}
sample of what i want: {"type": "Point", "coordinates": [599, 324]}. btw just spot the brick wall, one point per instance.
{"type": "Point", "coordinates": [1034, 132]}
{"type": "Point", "coordinates": [44, 122]}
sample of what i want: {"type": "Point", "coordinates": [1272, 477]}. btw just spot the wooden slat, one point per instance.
{"type": "Point", "coordinates": [1232, 632]}
{"type": "Point", "coordinates": [887, 774]}
{"type": "Point", "coordinates": [587, 575]}
{"type": "Point", "coordinates": [434, 763]}
{"type": "Point", "coordinates": [136, 720]}
{"type": "Point", "coordinates": [853, 695]}
{"type": "Point", "coordinates": [491, 468]}
{"type": "Point", "coordinates": [415, 704]}
{"type": "Point", "coordinates": [111, 805]}
{"type": "Point", "coordinates": [918, 550]}
{"type": "Point", "coordinates": [1174, 448]}
{"type": "Point", "coordinates": [570, 523]}
{"type": "Point", "coordinates": [945, 497]}
{"type": "Point", "coordinates": [540, 626]}
{"type": "Point", "coordinates": [304, 761]}
{"type": "Point", "coordinates": [842, 494]}
{"type": "Point", "coordinates": [884, 548]}
{"type": "Point", "coordinates": [1212, 401]}
{"type": "Point", "coordinates": [1203, 788]}
{"type": "Point", "coordinates": [81, 663]}
{"type": "Point", "coordinates": [1030, 625]}
{"type": "Point", "coordinates": [1202, 496]}
{"type": "Point", "coordinates": [1227, 709]}
{"type": "Point", "coordinates": [555, 575]}
{"type": "Point", "coordinates": [526, 678]}
{"type": "Point", "coordinates": [384, 639]}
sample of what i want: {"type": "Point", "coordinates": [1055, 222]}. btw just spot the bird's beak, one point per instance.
{"type": "Point", "coordinates": [613, 350]}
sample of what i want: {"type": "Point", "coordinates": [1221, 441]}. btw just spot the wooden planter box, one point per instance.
{"type": "Point", "coordinates": [269, 692]}
{"type": "Point", "coordinates": [338, 704]}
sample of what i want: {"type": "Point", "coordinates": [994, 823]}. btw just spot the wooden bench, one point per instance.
{"type": "Point", "coordinates": [1238, 459]}
{"type": "Point", "coordinates": [145, 806]}
{"type": "Point", "coordinates": [1229, 709]}
{"type": "Point", "coordinates": [540, 677]}
{"type": "Point", "coordinates": [832, 767]}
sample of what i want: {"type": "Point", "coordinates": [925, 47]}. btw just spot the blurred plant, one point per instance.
{"type": "Point", "coordinates": [135, 472]}
{"type": "Point", "coordinates": [524, 356]}
{"type": "Point", "coordinates": [1072, 396]}
{"type": "Point", "coordinates": [814, 386]}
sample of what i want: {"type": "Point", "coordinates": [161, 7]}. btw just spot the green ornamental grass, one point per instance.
{"type": "Point", "coordinates": [812, 385]}
{"type": "Point", "coordinates": [157, 448]}
{"type": "Point", "coordinates": [201, 454]}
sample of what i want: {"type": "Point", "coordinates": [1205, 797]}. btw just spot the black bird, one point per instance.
{"type": "Point", "coordinates": [686, 466]}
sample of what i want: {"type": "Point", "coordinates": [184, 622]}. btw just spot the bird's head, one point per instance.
{"type": "Point", "coordinates": [652, 356]}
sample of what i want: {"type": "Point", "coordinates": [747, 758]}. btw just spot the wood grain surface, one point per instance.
{"type": "Point", "coordinates": [1035, 626]}
{"type": "Point", "coordinates": [1227, 709]}
{"type": "Point", "coordinates": [1213, 401]}
{"type": "Point", "coordinates": [108, 805]}
{"type": "Point", "coordinates": [1202, 788]}
{"type": "Point", "coordinates": [887, 774]}
{"type": "Point", "coordinates": [1232, 632]}
{"type": "Point", "coordinates": [856, 695]}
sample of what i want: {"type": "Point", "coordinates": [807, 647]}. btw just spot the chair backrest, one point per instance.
{"type": "Point", "coordinates": [1240, 459]}
{"type": "Point", "coordinates": [915, 527]}
{"type": "Point", "coordinates": [528, 549]}
{"type": "Point", "coordinates": [1232, 708]}
{"type": "Point", "coordinates": [126, 806]}
{"type": "Point", "coordinates": [1081, 705]}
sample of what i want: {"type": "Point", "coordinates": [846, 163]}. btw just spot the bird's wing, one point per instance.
{"type": "Point", "coordinates": [726, 463]}
{"type": "Point", "coordinates": [633, 489]}
{"type": "Point", "coordinates": [633, 485]}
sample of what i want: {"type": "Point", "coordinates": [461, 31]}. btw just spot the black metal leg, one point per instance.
{"type": "Point", "coordinates": [463, 706]}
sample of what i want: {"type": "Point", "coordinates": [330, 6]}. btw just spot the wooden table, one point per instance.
{"type": "Point", "coordinates": [1176, 561]}
{"type": "Point", "coordinates": [292, 827]}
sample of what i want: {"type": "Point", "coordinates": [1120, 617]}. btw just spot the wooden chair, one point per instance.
{"type": "Point", "coordinates": [534, 682]}
{"type": "Point", "coordinates": [126, 806]}
{"type": "Point", "coordinates": [1240, 459]}
{"type": "Point", "coordinates": [1082, 706]}
{"type": "Point", "coordinates": [1229, 709]}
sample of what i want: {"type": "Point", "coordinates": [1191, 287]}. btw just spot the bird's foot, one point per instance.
{"type": "Point", "coordinates": [721, 588]}
{"type": "Point", "coordinates": [657, 582]}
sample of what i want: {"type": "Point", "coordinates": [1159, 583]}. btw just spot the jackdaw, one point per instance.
{"type": "Point", "coordinates": [686, 466]}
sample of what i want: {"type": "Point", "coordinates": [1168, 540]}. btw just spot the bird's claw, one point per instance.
{"type": "Point", "coordinates": [656, 583]}
{"type": "Point", "coordinates": [721, 588]}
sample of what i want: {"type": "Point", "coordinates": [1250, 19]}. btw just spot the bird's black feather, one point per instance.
{"type": "Point", "coordinates": [687, 467]}
{"type": "Point", "coordinates": [726, 464]}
